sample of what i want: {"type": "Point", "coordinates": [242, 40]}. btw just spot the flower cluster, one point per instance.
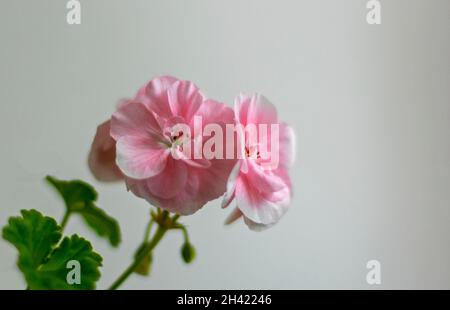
{"type": "Point", "coordinates": [169, 145]}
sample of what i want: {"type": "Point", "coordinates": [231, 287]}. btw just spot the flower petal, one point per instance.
{"type": "Point", "coordinates": [241, 105]}
{"type": "Point", "coordinates": [184, 99]}
{"type": "Point", "coordinates": [141, 158]}
{"type": "Point", "coordinates": [261, 111]}
{"type": "Point", "coordinates": [255, 109]}
{"type": "Point", "coordinates": [102, 156]}
{"type": "Point", "coordinates": [256, 226]}
{"type": "Point", "coordinates": [265, 180]}
{"type": "Point", "coordinates": [212, 111]}
{"type": "Point", "coordinates": [231, 185]}
{"type": "Point", "coordinates": [254, 205]}
{"type": "Point", "coordinates": [171, 181]}
{"type": "Point", "coordinates": [287, 146]}
{"type": "Point", "coordinates": [197, 163]}
{"type": "Point", "coordinates": [134, 119]}
{"type": "Point", "coordinates": [154, 95]}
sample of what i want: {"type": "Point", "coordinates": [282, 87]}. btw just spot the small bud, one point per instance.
{"type": "Point", "coordinates": [188, 252]}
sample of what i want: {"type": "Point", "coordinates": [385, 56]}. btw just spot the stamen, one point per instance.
{"type": "Point", "coordinates": [177, 136]}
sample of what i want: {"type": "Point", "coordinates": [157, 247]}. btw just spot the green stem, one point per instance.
{"type": "Point", "coordinates": [185, 233]}
{"type": "Point", "coordinates": [65, 220]}
{"type": "Point", "coordinates": [160, 231]}
{"type": "Point", "coordinates": [148, 231]}
{"type": "Point", "coordinates": [175, 217]}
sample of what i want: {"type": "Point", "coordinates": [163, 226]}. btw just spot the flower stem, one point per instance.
{"type": "Point", "coordinates": [148, 231]}
{"type": "Point", "coordinates": [65, 220]}
{"type": "Point", "coordinates": [160, 231]}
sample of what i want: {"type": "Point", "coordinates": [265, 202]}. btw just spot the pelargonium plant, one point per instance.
{"type": "Point", "coordinates": [178, 150]}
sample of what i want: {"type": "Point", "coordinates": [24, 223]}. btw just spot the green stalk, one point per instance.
{"type": "Point", "coordinates": [160, 231]}
{"type": "Point", "coordinates": [65, 220]}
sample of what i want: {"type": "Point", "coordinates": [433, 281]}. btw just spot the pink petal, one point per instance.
{"type": "Point", "coordinates": [134, 119]}
{"type": "Point", "coordinates": [184, 99]}
{"type": "Point", "coordinates": [154, 95]}
{"type": "Point", "coordinates": [212, 181]}
{"type": "Point", "coordinates": [203, 185]}
{"type": "Point", "coordinates": [196, 163]}
{"type": "Point", "coordinates": [231, 185]}
{"type": "Point", "coordinates": [185, 201]}
{"type": "Point", "coordinates": [170, 181]}
{"type": "Point", "coordinates": [281, 198]}
{"type": "Point", "coordinates": [254, 206]}
{"type": "Point", "coordinates": [173, 121]}
{"type": "Point", "coordinates": [212, 111]}
{"type": "Point", "coordinates": [255, 109]}
{"type": "Point", "coordinates": [265, 180]}
{"type": "Point", "coordinates": [141, 158]}
{"type": "Point", "coordinates": [241, 105]}
{"type": "Point", "coordinates": [186, 198]}
{"type": "Point", "coordinates": [261, 111]}
{"type": "Point", "coordinates": [284, 195]}
{"type": "Point", "coordinates": [102, 156]}
{"type": "Point", "coordinates": [256, 226]}
{"type": "Point", "coordinates": [287, 146]}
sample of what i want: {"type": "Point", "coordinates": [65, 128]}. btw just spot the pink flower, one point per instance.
{"type": "Point", "coordinates": [149, 149]}
{"type": "Point", "coordinates": [102, 156]}
{"type": "Point", "coordinates": [259, 182]}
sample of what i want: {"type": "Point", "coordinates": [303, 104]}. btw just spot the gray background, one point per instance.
{"type": "Point", "coordinates": [370, 105]}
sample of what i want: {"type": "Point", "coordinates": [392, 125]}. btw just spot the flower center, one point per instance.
{"type": "Point", "coordinates": [176, 136]}
{"type": "Point", "coordinates": [252, 152]}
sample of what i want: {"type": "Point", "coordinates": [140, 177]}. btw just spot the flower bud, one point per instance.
{"type": "Point", "coordinates": [188, 252]}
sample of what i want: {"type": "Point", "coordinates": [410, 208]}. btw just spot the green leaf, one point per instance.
{"type": "Point", "coordinates": [80, 198]}
{"type": "Point", "coordinates": [144, 268]}
{"type": "Point", "coordinates": [44, 267]}
{"type": "Point", "coordinates": [53, 274]}
{"type": "Point", "coordinates": [34, 236]}
{"type": "Point", "coordinates": [102, 223]}
{"type": "Point", "coordinates": [75, 193]}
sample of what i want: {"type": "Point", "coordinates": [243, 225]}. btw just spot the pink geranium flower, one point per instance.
{"type": "Point", "coordinates": [149, 152]}
{"type": "Point", "coordinates": [259, 183]}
